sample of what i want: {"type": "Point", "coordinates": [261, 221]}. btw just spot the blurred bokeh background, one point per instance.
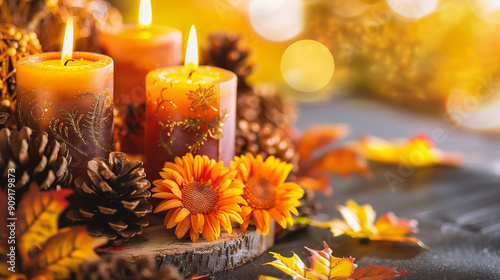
{"type": "Point", "coordinates": [434, 55]}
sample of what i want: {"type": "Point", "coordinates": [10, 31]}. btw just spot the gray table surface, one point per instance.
{"type": "Point", "coordinates": [458, 209]}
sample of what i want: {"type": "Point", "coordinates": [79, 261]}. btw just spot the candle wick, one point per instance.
{"type": "Point", "coordinates": [191, 73]}
{"type": "Point", "coordinates": [66, 63]}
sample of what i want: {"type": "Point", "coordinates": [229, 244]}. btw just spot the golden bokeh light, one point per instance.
{"type": "Point", "coordinates": [307, 65]}
{"type": "Point", "coordinates": [487, 10]}
{"type": "Point", "coordinates": [277, 20]}
{"type": "Point", "coordinates": [413, 9]}
{"type": "Point", "coordinates": [478, 111]}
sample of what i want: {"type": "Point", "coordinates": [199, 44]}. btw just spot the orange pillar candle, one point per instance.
{"type": "Point", "coordinates": [136, 50]}
{"type": "Point", "coordinates": [71, 98]}
{"type": "Point", "coordinates": [189, 109]}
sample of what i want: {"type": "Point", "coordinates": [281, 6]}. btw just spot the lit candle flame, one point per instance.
{"type": "Point", "coordinates": [67, 50]}
{"type": "Point", "coordinates": [145, 13]}
{"type": "Point", "coordinates": [191, 61]}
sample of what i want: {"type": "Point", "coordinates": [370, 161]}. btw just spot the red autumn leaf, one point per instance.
{"type": "Point", "coordinates": [374, 272]}
{"type": "Point", "coordinates": [319, 136]}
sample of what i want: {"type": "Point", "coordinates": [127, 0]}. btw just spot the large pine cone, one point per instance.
{"type": "Point", "coordinates": [224, 51]}
{"type": "Point", "coordinates": [112, 267]}
{"type": "Point", "coordinates": [113, 201]}
{"type": "Point", "coordinates": [263, 117]}
{"type": "Point", "coordinates": [35, 160]}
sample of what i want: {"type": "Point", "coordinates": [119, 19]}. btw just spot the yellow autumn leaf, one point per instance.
{"type": "Point", "coordinates": [265, 277]}
{"type": "Point", "coordinates": [65, 252]}
{"type": "Point", "coordinates": [417, 151]}
{"type": "Point", "coordinates": [37, 218]}
{"type": "Point", "coordinates": [323, 265]}
{"type": "Point", "coordinates": [359, 222]}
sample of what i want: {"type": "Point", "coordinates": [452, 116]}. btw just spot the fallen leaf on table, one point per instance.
{"type": "Point", "coordinates": [265, 277]}
{"type": "Point", "coordinates": [359, 222]}
{"type": "Point", "coordinates": [342, 161]}
{"type": "Point", "coordinates": [319, 136]}
{"type": "Point", "coordinates": [417, 151]}
{"type": "Point", "coordinates": [325, 266]}
{"type": "Point", "coordinates": [314, 171]}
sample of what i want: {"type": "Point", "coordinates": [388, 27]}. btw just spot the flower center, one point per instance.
{"type": "Point", "coordinates": [199, 197]}
{"type": "Point", "coordinates": [259, 193]}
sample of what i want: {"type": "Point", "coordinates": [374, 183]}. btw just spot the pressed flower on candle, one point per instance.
{"type": "Point", "coordinates": [189, 109]}
{"type": "Point", "coordinates": [70, 96]}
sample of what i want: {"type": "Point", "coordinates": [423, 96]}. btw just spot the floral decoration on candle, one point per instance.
{"type": "Point", "coordinates": [190, 109]}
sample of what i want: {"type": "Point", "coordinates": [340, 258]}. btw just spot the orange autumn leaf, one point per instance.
{"type": "Point", "coordinates": [319, 136]}
{"type": "Point", "coordinates": [359, 222]}
{"type": "Point", "coordinates": [417, 151]}
{"type": "Point", "coordinates": [64, 252]}
{"type": "Point", "coordinates": [342, 161]}
{"type": "Point", "coordinates": [38, 215]}
{"type": "Point", "coordinates": [321, 183]}
{"type": "Point", "coordinates": [324, 266]}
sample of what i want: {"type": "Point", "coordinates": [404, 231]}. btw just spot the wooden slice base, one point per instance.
{"type": "Point", "coordinates": [201, 257]}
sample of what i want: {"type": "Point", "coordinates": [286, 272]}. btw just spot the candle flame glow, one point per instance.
{"type": "Point", "coordinates": [67, 50]}
{"type": "Point", "coordinates": [191, 61]}
{"type": "Point", "coordinates": [145, 13]}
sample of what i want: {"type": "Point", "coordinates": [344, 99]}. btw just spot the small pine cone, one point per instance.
{"type": "Point", "coordinates": [224, 51]}
{"type": "Point", "coordinates": [114, 200]}
{"type": "Point", "coordinates": [262, 118]}
{"type": "Point", "coordinates": [111, 267]}
{"type": "Point", "coordinates": [274, 142]}
{"type": "Point", "coordinates": [34, 160]}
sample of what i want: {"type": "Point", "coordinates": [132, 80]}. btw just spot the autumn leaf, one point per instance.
{"type": "Point", "coordinates": [265, 277]}
{"type": "Point", "coordinates": [319, 136]}
{"type": "Point", "coordinates": [342, 162]}
{"type": "Point", "coordinates": [417, 151]}
{"type": "Point", "coordinates": [65, 252]}
{"type": "Point", "coordinates": [325, 266]}
{"type": "Point", "coordinates": [314, 171]}
{"type": "Point", "coordinates": [359, 222]}
{"type": "Point", "coordinates": [37, 217]}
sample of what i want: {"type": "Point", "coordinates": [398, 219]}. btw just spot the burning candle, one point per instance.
{"type": "Point", "coordinates": [70, 96]}
{"type": "Point", "coordinates": [136, 50]}
{"type": "Point", "coordinates": [189, 109]}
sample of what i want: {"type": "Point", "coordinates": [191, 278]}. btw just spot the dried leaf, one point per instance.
{"type": "Point", "coordinates": [417, 151]}
{"type": "Point", "coordinates": [373, 272]}
{"type": "Point", "coordinates": [321, 183]}
{"type": "Point", "coordinates": [319, 136]}
{"type": "Point", "coordinates": [359, 222]}
{"type": "Point", "coordinates": [325, 266]}
{"type": "Point", "coordinates": [342, 162]}
{"type": "Point", "coordinates": [65, 252]}
{"type": "Point", "coordinates": [37, 217]}
{"type": "Point", "coordinates": [265, 277]}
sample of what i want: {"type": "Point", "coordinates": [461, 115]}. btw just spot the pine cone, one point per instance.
{"type": "Point", "coordinates": [262, 119]}
{"type": "Point", "coordinates": [114, 200]}
{"type": "Point", "coordinates": [111, 267]}
{"type": "Point", "coordinates": [35, 160]}
{"type": "Point", "coordinates": [224, 51]}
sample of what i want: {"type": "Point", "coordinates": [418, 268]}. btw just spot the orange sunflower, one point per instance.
{"type": "Point", "coordinates": [200, 195]}
{"type": "Point", "coordinates": [266, 192]}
